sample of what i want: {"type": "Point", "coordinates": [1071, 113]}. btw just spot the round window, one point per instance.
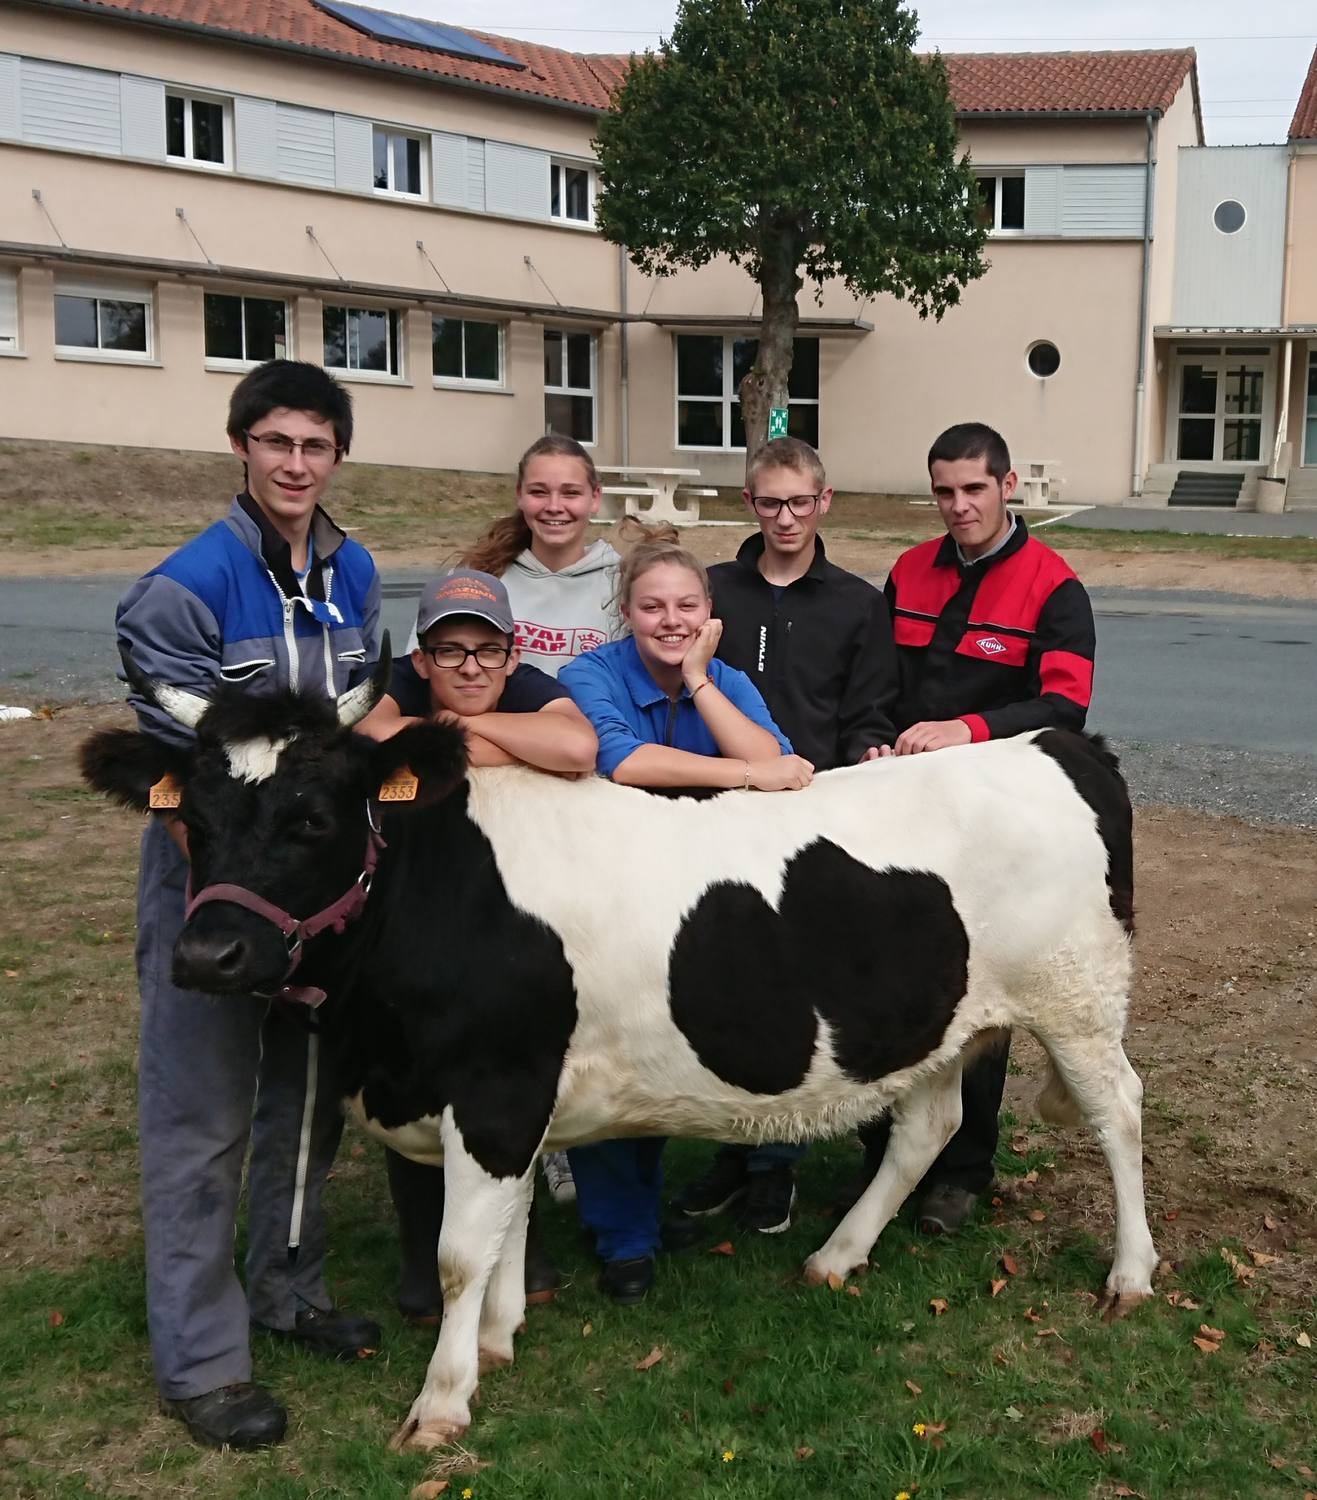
{"type": "Point", "coordinates": [1044, 359]}
{"type": "Point", "coordinates": [1229, 216]}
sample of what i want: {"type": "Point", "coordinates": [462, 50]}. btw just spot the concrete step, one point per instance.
{"type": "Point", "coordinates": [1207, 487]}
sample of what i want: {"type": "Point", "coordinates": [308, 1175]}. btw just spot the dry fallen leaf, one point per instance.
{"type": "Point", "coordinates": [1269, 1222]}
{"type": "Point", "coordinates": [836, 1282]}
{"type": "Point", "coordinates": [1099, 1440]}
{"type": "Point", "coordinates": [1211, 1333]}
{"type": "Point", "coordinates": [1206, 1346]}
{"type": "Point", "coordinates": [804, 1452]}
{"type": "Point", "coordinates": [1277, 1463]}
{"type": "Point", "coordinates": [55, 1319]}
{"type": "Point", "coordinates": [428, 1489]}
{"type": "Point", "coordinates": [1036, 1216]}
{"type": "Point", "coordinates": [1046, 1333]}
{"type": "Point", "coordinates": [1126, 1493]}
{"type": "Point", "coordinates": [1032, 1316]}
{"type": "Point", "coordinates": [1303, 1341]}
{"type": "Point", "coordinates": [729, 1387]}
{"type": "Point", "coordinates": [915, 1390]}
{"type": "Point", "coordinates": [998, 1202]}
{"type": "Point", "coordinates": [1303, 1470]}
{"type": "Point", "coordinates": [11, 973]}
{"type": "Point", "coordinates": [996, 1286]}
{"type": "Point", "coordinates": [1243, 1273]}
{"type": "Point", "coordinates": [1013, 1414]}
{"type": "Point", "coordinates": [1030, 1176]}
{"type": "Point", "coordinates": [651, 1359]}
{"type": "Point", "coordinates": [1010, 1265]}
{"type": "Point", "coordinates": [1171, 1215]}
{"type": "Point", "coordinates": [938, 1304]}
{"type": "Point", "coordinates": [852, 1291]}
{"type": "Point", "coordinates": [586, 1330]}
{"type": "Point", "coordinates": [357, 1153]}
{"type": "Point", "coordinates": [1260, 1259]}
{"type": "Point", "coordinates": [724, 1247]}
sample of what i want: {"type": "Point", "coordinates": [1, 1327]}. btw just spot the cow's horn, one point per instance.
{"type": "Point", "coordinates": [183, 707]}
{"type": "Point", "coordinates": [357, 702]}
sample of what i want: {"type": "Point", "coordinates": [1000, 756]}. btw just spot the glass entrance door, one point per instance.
{"type": "Point", "coordinates": [1310, 415]}
{"type": "Point", "coordinates": [1221, 408]}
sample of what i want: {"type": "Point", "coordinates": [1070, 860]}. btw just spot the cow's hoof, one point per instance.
{"type": "Point", "coordinates": [538, 1299]}
{"type": "Point", "coordinates": [425, 1437]}
{"type": "Point", "coordinates": [1117, 1304]}
{"type": "Point", "coordinates": [818, 1273]}
{"type": "Point", "coordinates": [493, 1359]}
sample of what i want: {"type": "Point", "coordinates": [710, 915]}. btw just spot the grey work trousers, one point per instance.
{"type": "Point", "coordinates": [213, 1073]}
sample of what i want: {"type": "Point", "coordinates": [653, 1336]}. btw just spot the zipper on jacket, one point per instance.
{"type": "Point", "coordinates": [290, 645]}
{"type": "Point", "coordinates": [672, 722]}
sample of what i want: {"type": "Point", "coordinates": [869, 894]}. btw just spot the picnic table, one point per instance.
{"type": "Point", "coordinates": [1040, 482]}
{"type": "Point", "coordinates": [651, 493]}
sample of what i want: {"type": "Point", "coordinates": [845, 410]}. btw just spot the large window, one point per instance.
{"type": "Point", "coordinates": [569, 370]}
{"type": "Point", "coordinates": [1310, 415]}
{"type": "Point", "coordinates": [571, 193]}
{"type": "Point", "coordinates": [1001, 201]}
{"type": "Point", "coordinates": [468, 351]}
{"type": "Point", "coordinates": [8, 312]}
{"type": "Point", "coordinates": [197, 130]}
{"type": "Point", "coordinates": [363, 340]}
{"type": "Point", "coordinates": [113, 322]}
{"type": "Point", "coordinates": [399, 162]}
{"type": "Point", "coordinates": [710, 369]}
{"type": "Point", "coordinates": [245, 329]}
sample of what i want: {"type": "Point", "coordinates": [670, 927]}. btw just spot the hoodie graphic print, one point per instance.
{"type": "Point", "coordinates": [562, 615]}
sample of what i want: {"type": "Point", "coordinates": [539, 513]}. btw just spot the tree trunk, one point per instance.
{"type": "Point", "coordinates": [765, 385]}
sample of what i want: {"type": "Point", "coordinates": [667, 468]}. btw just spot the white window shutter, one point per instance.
{"type": "Point", "coordinates": [73, 107]}
{"type": "Point", "coordinates": [448, 169]}
{"type": "Point", "coordinates": [1042, 200]}
{"type": "Point", "coordinates": [11, 126]}
{"type": "Point", "coordinates": [354, 153]}
{"type": "Point", "coordinates": [253, 131]}
{"type": "Point", "coordinates": [1102, 202]}
{"type": "Point", "coordinates": [516, 180]}
{"type": "Point", "coordinates": [475, 173]}
{"type": "Point", "coordinates": [8, 310]}
{"type": "Point", "coordinates": [142, 117]}
{"type": "Point", "coordinates": [304, 140]}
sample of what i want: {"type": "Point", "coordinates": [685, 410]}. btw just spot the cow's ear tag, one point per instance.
{"type": "Point", "coordinates": [166, 793]}
{"type": "Point", "coordinates": [402, 786]}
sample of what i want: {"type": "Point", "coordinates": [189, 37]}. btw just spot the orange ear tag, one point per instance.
{"type": "Point", "coordinates": [402, 786]}
{"type": "Point", "coordinates": [166, 793]}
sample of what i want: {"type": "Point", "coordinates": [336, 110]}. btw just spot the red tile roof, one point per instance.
{"type": "Point", "coordinates": [981, 83]}
{"type": "Point", "coordinates": [1303, 127]}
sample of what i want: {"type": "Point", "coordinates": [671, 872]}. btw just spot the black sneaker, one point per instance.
{"type": "Point", "coordinates": [769, 1199]}
{"type": "Point", "coordinates": [715, 1190]}
{"type": "Point", "coordinates": [234, 1416]}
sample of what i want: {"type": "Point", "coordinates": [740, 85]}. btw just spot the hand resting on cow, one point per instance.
{"type": "Point", "coordinates": [501, 990]}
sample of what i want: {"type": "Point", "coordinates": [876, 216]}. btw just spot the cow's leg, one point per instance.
{"type": "Point", "coordinates": [478, 1211]}
{"type": "Point", "coordinates": [1099, 1079]}
{"type": "Point", "coordinates": [923, 1120]}
{"type": "Point", "coordinates": [504, 1311]}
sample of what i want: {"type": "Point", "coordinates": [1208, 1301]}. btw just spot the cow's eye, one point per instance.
{"type": "Point", "coordinates": [311, 824]}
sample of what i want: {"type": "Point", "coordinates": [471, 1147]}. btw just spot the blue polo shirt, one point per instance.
{"type": "Point", "coordinates": [613, 689]}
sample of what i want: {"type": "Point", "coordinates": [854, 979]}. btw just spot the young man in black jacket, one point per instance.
{"type": "Point", "coordinates": [817, 643]}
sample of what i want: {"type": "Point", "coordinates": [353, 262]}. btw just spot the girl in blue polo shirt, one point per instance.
{"type": "Point", "coordinates": [667, 715]}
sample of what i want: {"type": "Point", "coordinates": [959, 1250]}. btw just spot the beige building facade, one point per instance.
{"type": "Point", "coordinates": [179, 201]}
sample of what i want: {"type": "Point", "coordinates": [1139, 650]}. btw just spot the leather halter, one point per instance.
{"type": "Point", "coordinates": [296, 930]}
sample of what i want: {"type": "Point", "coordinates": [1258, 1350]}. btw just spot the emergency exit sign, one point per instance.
{"type": "Point", "coordinates": [777, 421]}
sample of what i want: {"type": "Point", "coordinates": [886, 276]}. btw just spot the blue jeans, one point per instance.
{"type": "Point", "coordinates": [619, 1187]}
{"type": "Point", "coordinates": [766, 1156]}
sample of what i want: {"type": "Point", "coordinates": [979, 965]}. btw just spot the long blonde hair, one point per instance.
{"type": "Point", "coordinates": [508, 537]}
{"type": "Point", "coordinates": [651, 546]}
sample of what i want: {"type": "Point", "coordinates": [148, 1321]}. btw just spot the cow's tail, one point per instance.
{"type": "Point", "coordinates": [1056, 1104]}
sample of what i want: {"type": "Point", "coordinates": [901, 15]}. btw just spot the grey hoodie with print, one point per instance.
{"type": "Point", "coordinates": [562, 615]}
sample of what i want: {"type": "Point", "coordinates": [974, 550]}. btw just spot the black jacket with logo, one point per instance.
{"type": "Point", "coordinates": [1006, 644]}
{"type": "Point", "coordinates": [821, 653]}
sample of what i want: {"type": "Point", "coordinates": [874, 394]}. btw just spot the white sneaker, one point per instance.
{"type": "Point", "coordinates": [558, 1176]}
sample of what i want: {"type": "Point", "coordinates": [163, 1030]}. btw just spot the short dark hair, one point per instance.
{"type": "Point", "coordinates": [972, 440]}
{"type": "Point", "coordinates": [295, 384]}
{"type": "Point", "coordinates": [787, 453]}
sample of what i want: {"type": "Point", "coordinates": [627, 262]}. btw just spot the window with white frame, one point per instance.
{"type": "Point", "coordinates": [710, 368]}
{"type": "Point", "coordinates": [571, 192]}
{"type": "Point", "coordinates": [467, 350]}
{"type": "Point", "coordinates": [399, 163]}
{"type": "Point", "coordinates": [104, 321]}
{"type": "Point", "coordinates": [245, 330]}
{"type": "Point", "coordinates": [1001, 201]}
{"type": "Point", "coordinates": [8, 312]}
{"type": "Point", "coordinates": [363, 340]}
{"type": "Point", "coordinates": [198, 130]}
{"type": "Point", "coordinates": [569, 384]}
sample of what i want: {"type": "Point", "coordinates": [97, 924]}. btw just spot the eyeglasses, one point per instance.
{"type": "Point", "coordinates": [314, 450]}
{"type": "Point", "coordinates": [769, 506]}
{"type": "Point", "coordinates": [450, 656]}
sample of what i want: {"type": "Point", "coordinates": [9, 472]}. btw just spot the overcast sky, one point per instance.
{"type": "Point", "coordinates": [1252, 58]}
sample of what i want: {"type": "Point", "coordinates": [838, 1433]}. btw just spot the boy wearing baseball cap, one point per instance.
{"type": "Point", "coordinates": [465, 671]}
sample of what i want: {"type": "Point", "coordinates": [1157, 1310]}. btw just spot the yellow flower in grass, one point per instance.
{"type": "Point", "coordinates": [919, 1429]}
{"type": "Point", "coordinates": [467, 1493]}
{"type": "Point", "coordinates": [728, 1455]}
{"type": "Point", "coordinates": [903, 1495]}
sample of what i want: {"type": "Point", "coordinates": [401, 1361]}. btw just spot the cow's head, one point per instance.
{"type": "Point", "coordinates": [276, 796]}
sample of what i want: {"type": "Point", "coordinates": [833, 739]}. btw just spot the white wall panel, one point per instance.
{"type": "Point", "coordinates": [142, 117]}
{"type": "Point", "coordinates": [73, 107]}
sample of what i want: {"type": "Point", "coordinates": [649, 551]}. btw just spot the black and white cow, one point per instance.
{"type": "Point", "coordinates": [543, 962]}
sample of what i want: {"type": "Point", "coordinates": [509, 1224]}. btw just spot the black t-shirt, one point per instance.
{"type": "Point", "coordinates": [527, 690]}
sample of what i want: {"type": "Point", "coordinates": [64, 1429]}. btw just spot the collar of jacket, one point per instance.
{"type": "Point", "coordinates": [753, 548]}
{"type": "Point", "coordinates": [948, 558]}
{"type": "Point", "coordinates": [644, 691]}
{"type": "Point", "coordinates": [326, 539]}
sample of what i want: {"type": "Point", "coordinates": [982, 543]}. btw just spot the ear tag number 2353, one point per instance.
{"type": "Point", "coordinates": [400, 787]}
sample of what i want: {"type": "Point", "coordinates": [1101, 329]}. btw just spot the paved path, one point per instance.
{"type": "Point", "coordinates": [1213, 698]}
{"type": "Point", "coordinates": [1184, 520]}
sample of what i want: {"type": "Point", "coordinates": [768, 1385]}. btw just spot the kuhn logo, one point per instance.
{"type": "Point", "coordinates": [990, 645]}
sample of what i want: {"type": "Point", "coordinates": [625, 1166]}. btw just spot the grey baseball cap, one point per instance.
{"type": "Point", "coordinates": [464, 591]}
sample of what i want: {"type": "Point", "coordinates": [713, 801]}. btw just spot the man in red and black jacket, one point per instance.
{"type": "Point", "coordinates": [994, 636]}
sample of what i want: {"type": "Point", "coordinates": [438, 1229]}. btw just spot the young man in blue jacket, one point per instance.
{"type": "Point", "coordinates": [273, 596]}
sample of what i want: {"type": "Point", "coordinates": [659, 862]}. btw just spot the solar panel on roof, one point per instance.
{"type": "Point", "coordinates": [410, 31]}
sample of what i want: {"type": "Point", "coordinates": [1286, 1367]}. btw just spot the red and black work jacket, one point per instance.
{"type": "Point", "coordinates": [1006, 643]}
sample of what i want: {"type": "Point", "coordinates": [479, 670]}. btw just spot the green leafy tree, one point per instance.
{"type": "Point", "coordinates": [800, 139]}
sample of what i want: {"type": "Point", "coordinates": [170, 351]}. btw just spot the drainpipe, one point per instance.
{"type": "Point", "coordinates": [624, 336]}
{"type": "Point", "coordinates": [1141, 386]}
{"type": "Point", "coordinates": [1287, 344]}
